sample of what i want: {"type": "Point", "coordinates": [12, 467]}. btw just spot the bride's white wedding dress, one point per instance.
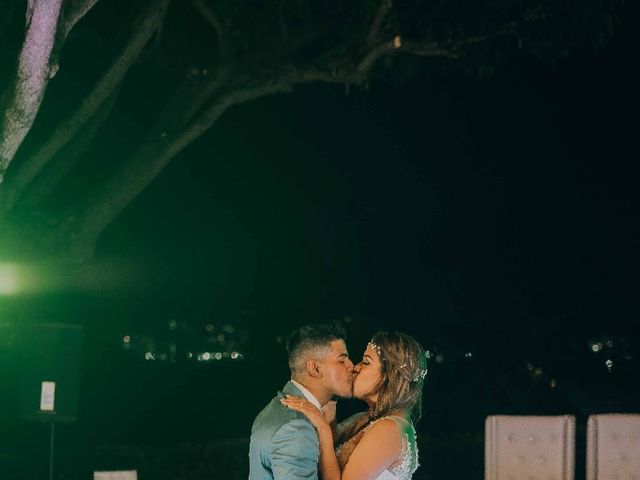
{"type": "Point", "coordinates": [407, 463]}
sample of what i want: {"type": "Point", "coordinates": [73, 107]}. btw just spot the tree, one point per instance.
{"type": "Point", "coordinates": [204, 57]}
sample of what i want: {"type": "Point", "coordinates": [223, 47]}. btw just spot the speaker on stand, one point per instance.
{"type": "Point", "coordinates": [50, 357]}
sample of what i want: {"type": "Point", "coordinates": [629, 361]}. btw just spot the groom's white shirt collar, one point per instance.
{"type": "Point", "coordinates": [308, 395]}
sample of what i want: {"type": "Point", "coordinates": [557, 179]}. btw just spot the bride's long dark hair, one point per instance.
{"type": "Point", "coordinates": [403, 368]}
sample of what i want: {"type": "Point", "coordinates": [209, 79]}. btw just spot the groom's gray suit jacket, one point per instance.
{"type": "Point", "coordinates": [284, 444]}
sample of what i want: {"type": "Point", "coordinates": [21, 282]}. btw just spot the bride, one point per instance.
{"type": "Point", "coordinates": [379, 444]}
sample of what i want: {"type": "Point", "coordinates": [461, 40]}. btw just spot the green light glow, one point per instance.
{"type": "Point", "coordinates": [9, 279]}
{"type": "Point", "coordinates": [98, 276]}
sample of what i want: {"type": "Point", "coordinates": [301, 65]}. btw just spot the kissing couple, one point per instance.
{"type": "Point", "coordinates": [296, 437]}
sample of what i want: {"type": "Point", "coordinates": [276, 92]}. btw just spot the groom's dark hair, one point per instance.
{"type": "Point", "coordinates": [302, 342]}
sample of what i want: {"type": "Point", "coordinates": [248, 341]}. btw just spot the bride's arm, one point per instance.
{"type": "Point", "coordinates": [379, 448]}
{"type": "Point", "coordinates": [329, 468]}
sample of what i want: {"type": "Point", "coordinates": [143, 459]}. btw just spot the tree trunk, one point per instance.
{"type": "Point", "coordinates": [27, 171]}
{"type": "Point", "coordinates": [32, 78]}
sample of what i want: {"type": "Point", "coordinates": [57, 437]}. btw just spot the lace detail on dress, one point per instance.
{"type": "Point", "coordinates": [408, 459]}
{"type": "Point", "coordinates": [409, 452]}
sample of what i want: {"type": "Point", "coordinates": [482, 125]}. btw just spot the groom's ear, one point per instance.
{"type": "Point", "coordinates": [313, 369]}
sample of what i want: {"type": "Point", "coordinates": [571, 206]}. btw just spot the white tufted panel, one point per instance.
{"type": "Point", "coordinates": [613, 447]}
{"type": "Point", "coordinates": [529, 448]}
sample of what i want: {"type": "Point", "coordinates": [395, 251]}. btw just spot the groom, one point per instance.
{"type": "Point", "coordinates": [284, 444]}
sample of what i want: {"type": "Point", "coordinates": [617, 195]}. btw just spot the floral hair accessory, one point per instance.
{"type": "Point", "coordinates": [420, 375]}
{"type": "Point", "coordinates": [376, 348]}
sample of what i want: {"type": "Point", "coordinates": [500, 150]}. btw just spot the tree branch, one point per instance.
{"type": "Point", "coordinates": [146, 25]}
{"type": "Point", "coordinates": [376, 25]}
{"type": "Point", "coordinates": [351, 70]}
{"type": "Point", "coordinates": [209, 85]}
{"type": "Point", "coordinates": [297, 75]}
{"type": "Point", "coordinates": [376, 53]}
{"type": "Point", "coordinates": [45, 182]}
{"type": "Point", "coordinates": [210, 16]}
{"type": "Point", "coordinates": [73, 11]}
{"type": "Point", "coordinates": [151, 158]}
{"type": "Point", "coordinates": [32, 78]}
{"type": "Point", "coordinates": [427, 49]}
{"type": "Point", "coordinates": [399, 45]}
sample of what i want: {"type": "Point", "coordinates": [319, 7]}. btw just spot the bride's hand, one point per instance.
{"type": "Point", "coordinates": [307, 408]}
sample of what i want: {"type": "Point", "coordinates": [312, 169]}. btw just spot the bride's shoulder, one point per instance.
{"type": "Point", "coordinates": [400, 421]}
{"type": "Point", "coordinates": [396, 427]}
{"type": "Point", "coordinates": [387, 430]}
{"type": "Point", "coordinates": [381, 439]}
